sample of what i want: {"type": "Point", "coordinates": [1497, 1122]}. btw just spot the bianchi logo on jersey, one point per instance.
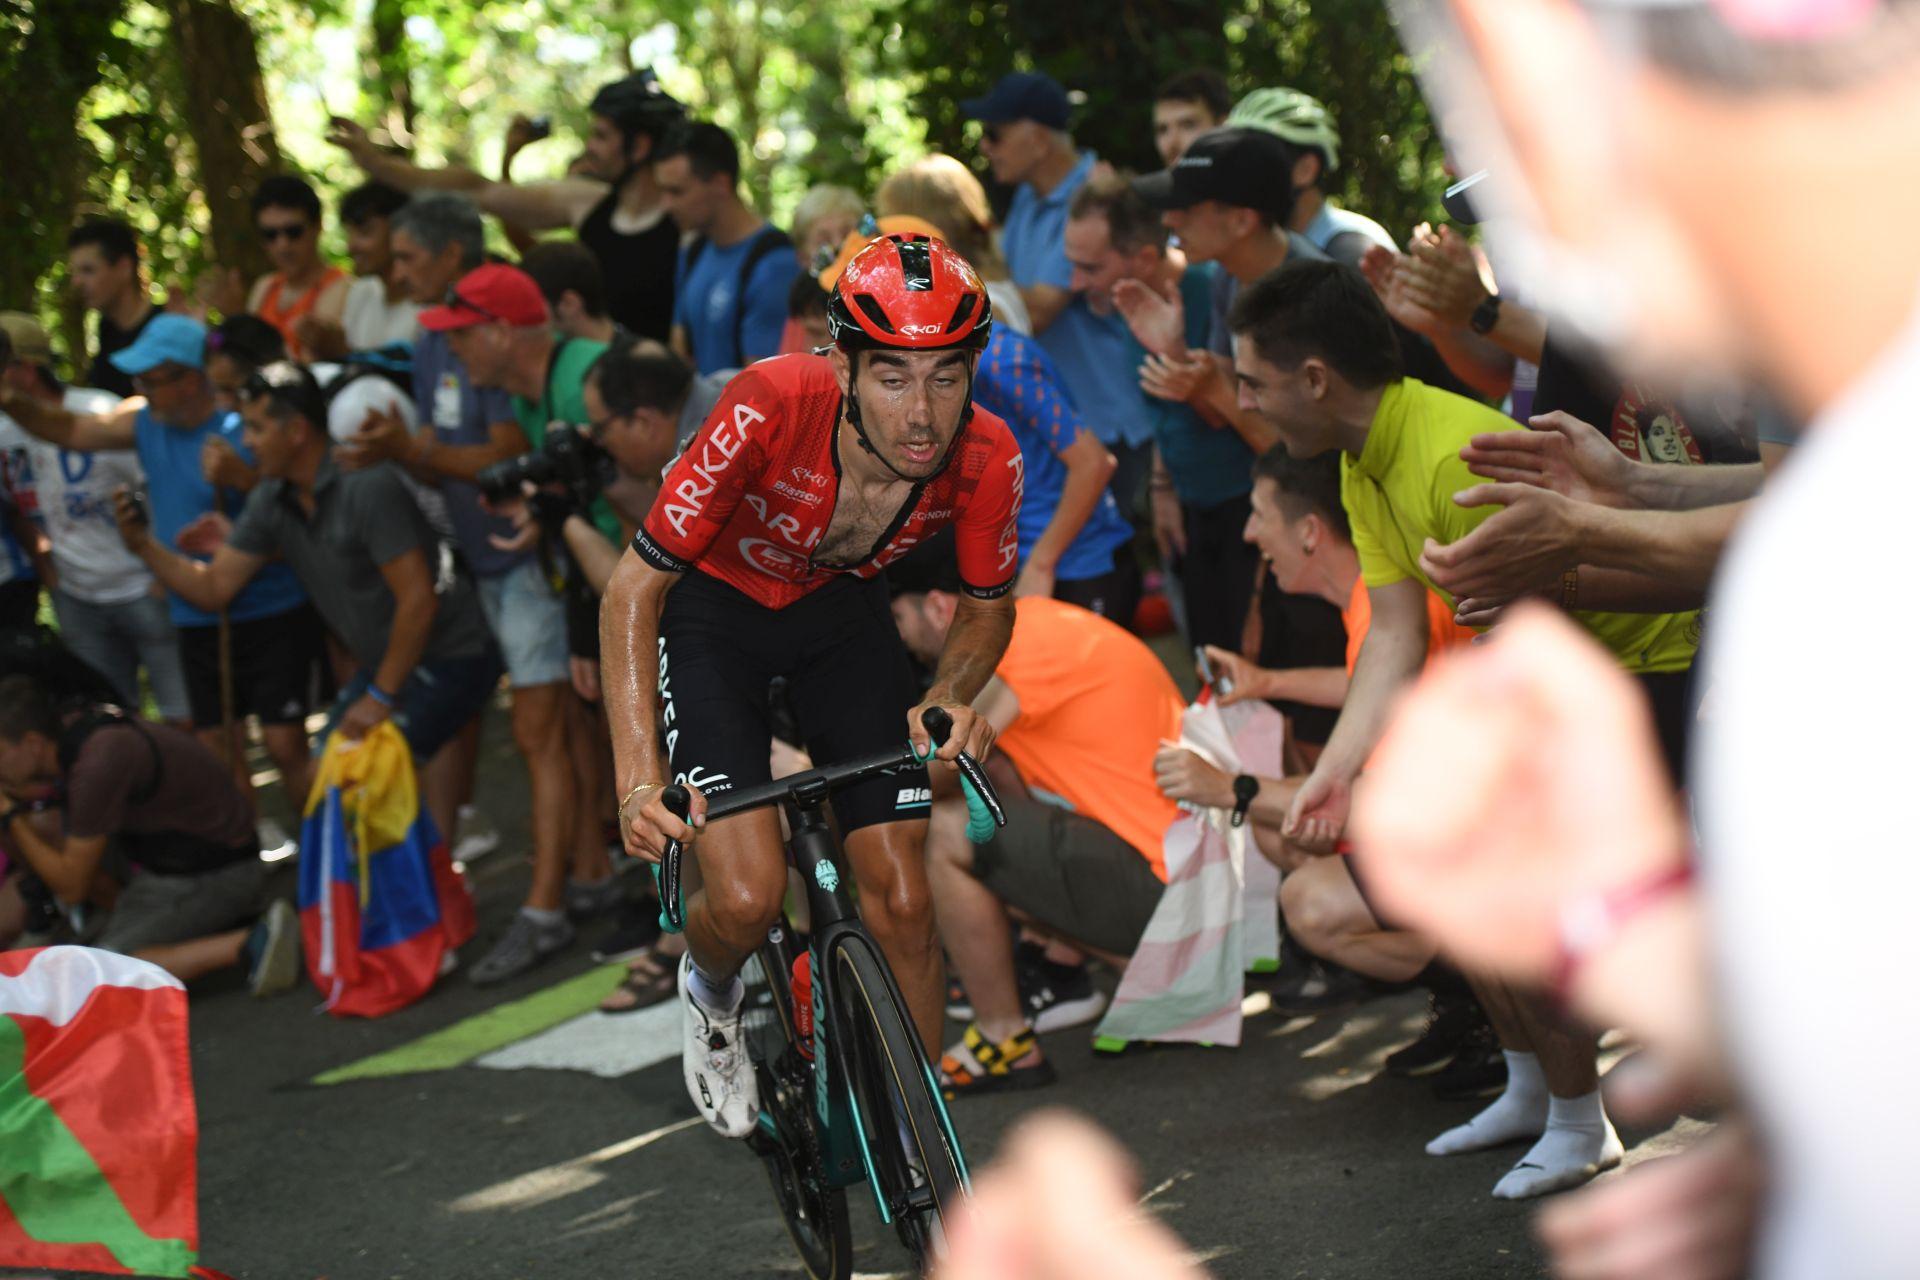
{"type": "Point", "coordinates": [913, 798]}
{"type": "Point", "coordinates": [798, 494]}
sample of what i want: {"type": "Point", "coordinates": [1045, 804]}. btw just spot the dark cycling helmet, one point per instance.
{"type": "Point", "coordinates": [909, 292]}
{"type": "Point", "coordinates": [637, 103]}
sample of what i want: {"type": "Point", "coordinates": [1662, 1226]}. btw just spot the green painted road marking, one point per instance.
{"type": "Point", "coordinates": [483, 1033]}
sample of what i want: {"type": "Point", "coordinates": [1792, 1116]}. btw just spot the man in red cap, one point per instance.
{"type": "Point", "coordinates": [497, 325]}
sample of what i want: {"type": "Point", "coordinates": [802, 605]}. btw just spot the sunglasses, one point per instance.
{"type": "Point", "coordinates": [284, 232]}
{"type": "Point", "coordinates": [454, 299]}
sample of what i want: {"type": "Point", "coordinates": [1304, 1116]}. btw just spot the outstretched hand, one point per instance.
{"type": "Point", "coordinates": [1560, 453]}
{"type": "Point", "coordinates": [1158, 319]}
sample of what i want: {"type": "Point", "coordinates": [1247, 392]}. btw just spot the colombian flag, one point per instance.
{"type": "Point", "coordinates": [380, 902]}
{"type": "Point", "coordinates": [97, 1124]}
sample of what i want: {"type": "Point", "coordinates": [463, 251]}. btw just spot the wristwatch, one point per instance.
{"type": "Point", "coordinates": [1485, 316]}
{"type": "Point", "coordinates": [1245, 788]}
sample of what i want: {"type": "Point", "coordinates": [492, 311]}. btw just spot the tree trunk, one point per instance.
{"type": "Point", "coordinates": [389, 69]}
{"type": "Point", "coordinates": [226, 109]}
{"type": "Point", "coordinates": [48, 71]}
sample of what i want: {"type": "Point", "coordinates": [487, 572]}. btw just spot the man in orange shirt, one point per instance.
{"type": "Point", "coordinates": [1079, 706]}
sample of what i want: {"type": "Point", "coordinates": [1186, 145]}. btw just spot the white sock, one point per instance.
{"type": "Point", "coordinates": [1579, 1143]}
{"type": "Point", "coordinates": [544, 917]}
{"type": "Point", "coordinates": [722, 998]}
{"type": "Point", "coordinates": [1520, 1112]}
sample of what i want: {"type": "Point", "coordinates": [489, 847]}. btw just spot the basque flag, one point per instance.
{"type": "Point", "coordinates": [380, 902]}
{"type": "Point", "coordinates": [97, 1123]}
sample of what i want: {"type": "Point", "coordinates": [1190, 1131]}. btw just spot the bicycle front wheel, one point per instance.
{"type": "Point", "coordinates": [918, 1171]}
{"type": "Point", "coordinates": [786, 1141]}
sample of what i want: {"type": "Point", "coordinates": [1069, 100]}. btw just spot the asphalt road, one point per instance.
{"type": "Point", "coordinates": [1291, 1156]}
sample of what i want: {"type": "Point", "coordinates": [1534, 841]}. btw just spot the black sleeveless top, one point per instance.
{"type": "Point", "coordinates": [638, 269]}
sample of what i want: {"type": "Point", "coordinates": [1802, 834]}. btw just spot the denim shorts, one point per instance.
{"type": "Point", "coordinates": [435, 703]}
{"type": "Point", "coordinates": [529, 621]}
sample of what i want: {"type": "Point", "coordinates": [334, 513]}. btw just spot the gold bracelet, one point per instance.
{"type": "Point", "coordinates": [628, 798]}
{"type": "Point", "coordinates": [1569, 589]}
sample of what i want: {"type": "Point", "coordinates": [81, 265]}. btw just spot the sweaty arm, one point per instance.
{"type": "Point", "coordinates": [81, 432]}
{"type": "Point", "coordinates": [975, 644]}
{"type": "Point", "coordinates": [66, 868]}
{"type": "Point", "coordinates": [636, 595]}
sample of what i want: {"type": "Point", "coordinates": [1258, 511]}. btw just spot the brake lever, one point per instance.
{"type": "Point", "coordinates": [939, 726]}
{"type": "Point", "coordinates": [673, 908]}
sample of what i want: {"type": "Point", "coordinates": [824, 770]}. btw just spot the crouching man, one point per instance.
{"type": "Point", "coordinates": [1078, 706]}
{"type": "Point", "coordinates": [174, 811]}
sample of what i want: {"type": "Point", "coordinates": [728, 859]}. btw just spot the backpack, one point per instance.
{"type": "Point", "coordinates": [764, 242]}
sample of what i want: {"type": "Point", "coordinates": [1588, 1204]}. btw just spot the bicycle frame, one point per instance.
{"type": "Point", "coordinates": [844, 1154]}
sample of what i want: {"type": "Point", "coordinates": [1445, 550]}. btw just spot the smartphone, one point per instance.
{"type": "Point", "coordinates": [1458, 199]}
{"type": "Point", "coordinates": [1222, 686]}
{"type": "Point", "coordinates": [137, 499]}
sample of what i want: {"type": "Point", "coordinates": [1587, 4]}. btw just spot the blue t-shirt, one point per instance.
{"type": "Point", "coordinates": [707, 302]}
{"type": "Point", "coordinates": [178, 494]}
{"type": "Point", "coordinates": [1209, 465]}
{"type": "Point", "coordinates": [1090, 350]}
{"type": "Point", "coordinates": [1017, 381]}
{"type": "Point", "coordinates": [461, 414]}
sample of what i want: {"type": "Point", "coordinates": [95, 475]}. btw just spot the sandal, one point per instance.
{"type": "Point", "coordinates": [977, 1065]}
{"type": "Point", "coordinates": [650, 980]}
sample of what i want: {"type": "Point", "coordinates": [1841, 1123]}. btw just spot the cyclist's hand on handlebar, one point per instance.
{"type": "Point", "coordinates": [646, 824]}
{"type": "Point", "coordinates": [972, 732]}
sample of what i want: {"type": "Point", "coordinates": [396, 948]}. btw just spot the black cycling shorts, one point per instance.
{"type": "Point", "coordinates": [848, 678]}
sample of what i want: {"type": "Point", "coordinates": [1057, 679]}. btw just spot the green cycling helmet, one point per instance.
{"type": "Point", "coordinates": [1293, 117]}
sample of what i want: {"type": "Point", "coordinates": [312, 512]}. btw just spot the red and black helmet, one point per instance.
{"type": "Point", "coordinates": [908, 293]}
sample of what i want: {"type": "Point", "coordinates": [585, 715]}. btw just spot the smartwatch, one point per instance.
{"type": "Point", "coordinates": [1245, 788]}
{"type": "Point", "coordinates": [1485, 316]}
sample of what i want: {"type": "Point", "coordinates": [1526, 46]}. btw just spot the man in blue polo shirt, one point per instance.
{"type": "Point", "coordinates": [275, 641]}
{"type": "Point", "coordinates": [1024, 137]}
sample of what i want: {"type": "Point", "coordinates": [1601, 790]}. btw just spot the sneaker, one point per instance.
{"type": "Point", "coordinates": [1316, 987]}
{"type": "Point", "coordinates": [1478, 1070]}
{"type": "Point", "coordinates": [1451, 1020]}
{"type": "Point", "coordinates": [1058, 997]}
{"type": "Point", "coordinates": [273, 950]}
{"type": "Point", "coordinates": [525, 944]}
{"type": "Point", "coordinates": [719, 1076]}
{"type": "Point", "coordinates": [636, 928]}
{"type": "Point", "coordinates": [474, 836]}
{"type": "Point", "coordinates": [588, 900]}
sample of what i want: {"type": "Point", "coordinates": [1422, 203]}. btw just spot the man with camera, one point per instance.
{"type": "Point", "coordinates": [497, 327]}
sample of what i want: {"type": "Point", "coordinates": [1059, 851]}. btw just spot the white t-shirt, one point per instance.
{"type": "Point", "coordinates": [1810, 855]}
{"type": "Point", "coordinates": [70, 493]}
{"type": "Point", "coordinates": [371, 321]}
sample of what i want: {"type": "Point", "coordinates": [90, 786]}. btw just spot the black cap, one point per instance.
{"type": "Point", "coordinates": [1020, 95]}
{"type": "Point", "coordinates": [1247, 167]}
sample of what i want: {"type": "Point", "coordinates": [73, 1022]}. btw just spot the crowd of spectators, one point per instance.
{"type": "Point", "coordinates": [1328, 457]}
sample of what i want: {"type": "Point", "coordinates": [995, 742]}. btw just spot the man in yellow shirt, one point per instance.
{"type": "Point", "coordinates": [1315, 354]}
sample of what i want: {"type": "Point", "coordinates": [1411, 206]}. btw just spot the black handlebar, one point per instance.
{"type": "Point", "coordinates": [809, 785]}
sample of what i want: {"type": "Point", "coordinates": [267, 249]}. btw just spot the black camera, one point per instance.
{"type": "Point", "coordinates": [568, 456]}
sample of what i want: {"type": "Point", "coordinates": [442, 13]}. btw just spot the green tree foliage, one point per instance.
{"type": "Point", "coordinates": [108, 119]}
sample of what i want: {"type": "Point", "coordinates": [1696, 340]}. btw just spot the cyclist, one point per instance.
{"type": "Point", "coordinates": [760, 558]}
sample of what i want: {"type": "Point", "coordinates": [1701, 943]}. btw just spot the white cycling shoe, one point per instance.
{"type": "Point", "coordinates": [720, 1078]}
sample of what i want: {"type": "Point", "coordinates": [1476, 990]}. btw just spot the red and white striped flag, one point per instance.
{"type": "Point", "coordinates": [97, 1123]}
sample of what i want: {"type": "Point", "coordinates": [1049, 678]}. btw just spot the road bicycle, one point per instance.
{"type": "Point", "coordinates": [847, 1094]}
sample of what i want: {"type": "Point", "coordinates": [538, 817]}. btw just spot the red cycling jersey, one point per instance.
{"type": "Point", "coordinates": [754, 492]}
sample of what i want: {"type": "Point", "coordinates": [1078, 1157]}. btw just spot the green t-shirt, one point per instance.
{"type": "Point", "coordinates": [1399, 492]}
{"type": "Point", "coordinates": [565, 401]}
